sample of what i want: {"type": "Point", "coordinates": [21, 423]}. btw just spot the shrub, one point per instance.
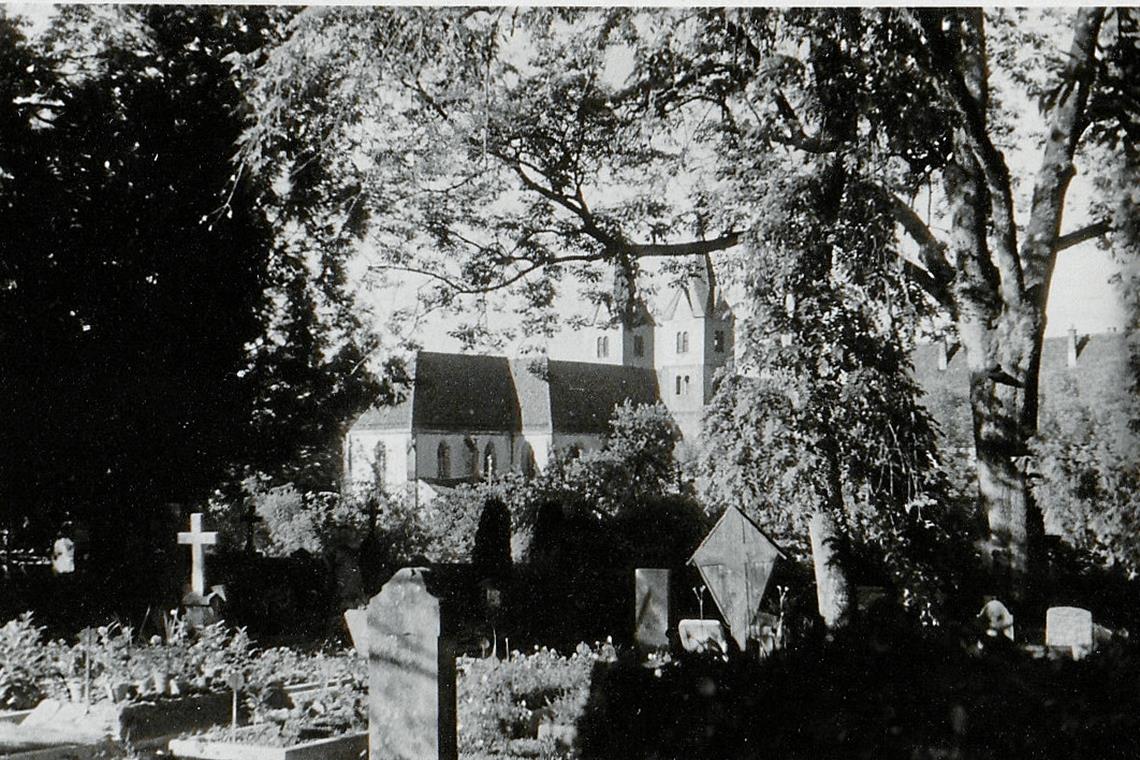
{"type": "Point", "coordinates": [24, 662]}
{"type": "Point", "coordinates": [503, 701]}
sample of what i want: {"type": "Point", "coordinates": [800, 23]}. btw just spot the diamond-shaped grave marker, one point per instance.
{"type": "Point", "coordinates": [735, 561]}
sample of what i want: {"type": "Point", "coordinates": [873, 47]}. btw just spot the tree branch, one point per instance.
{"type": "Point", "coordinates": [692, 248]}
{"type": "Point", "coordinates": [968, 98]}
{"type": "Point", "coordinates": [1039, 249]}
{"type": "Point", "coordinates": [1076, 237]}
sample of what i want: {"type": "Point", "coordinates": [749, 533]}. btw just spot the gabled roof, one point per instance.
{"type": "Point", "coordinates": [469, 393]}
{"type": "Point", "coordinates": [464, 392]}
{"type": "Point", "coordinates": [583, 395]}
{"type": "Point", "coordinates": [700, 294]}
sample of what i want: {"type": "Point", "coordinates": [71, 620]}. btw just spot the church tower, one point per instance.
{"type": "Point", "coordinates": [625, 334]}
{"type": "Point", "coordinates": [695, 338]}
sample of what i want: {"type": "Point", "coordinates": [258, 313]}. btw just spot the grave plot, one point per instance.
{"type": "Point", "coordinates": [321, 713]}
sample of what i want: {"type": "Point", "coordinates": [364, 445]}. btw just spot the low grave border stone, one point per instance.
{"type": "Point", "coordinates": [347, 747]}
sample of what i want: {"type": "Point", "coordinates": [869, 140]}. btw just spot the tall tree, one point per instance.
{"type": "Point", "coordinates": [897, 99]}
{"type": "Point", "coordinates": [494, 150]}
{"type": "Point", "coordinates": [135, 268]}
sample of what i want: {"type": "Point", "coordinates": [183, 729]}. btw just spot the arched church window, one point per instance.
{"type": "Point", "coordinates": [603, 347]}
{"type": "Point", "coordinates": [443, 460]}
{"type": "Point", "coordinates": [470, 457]}
{"type": "Point", "coordinates": [683, 342]}
{"type": "Point", "coordinates": [489, 461]}
{"type": "Point", "coordinates": [379, 464]}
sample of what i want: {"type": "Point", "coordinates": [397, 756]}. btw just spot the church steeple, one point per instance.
{"type": "Point", "coordinates": [695, 339]}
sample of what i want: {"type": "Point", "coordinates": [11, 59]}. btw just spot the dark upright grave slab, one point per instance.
{"type": "Point", "coordinates": [651, 623]}
{"type": "Point", "coordinates": [412, 626]}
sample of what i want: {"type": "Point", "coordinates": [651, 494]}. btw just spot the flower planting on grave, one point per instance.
{"type": "Point", "coordinates": [503, 704]}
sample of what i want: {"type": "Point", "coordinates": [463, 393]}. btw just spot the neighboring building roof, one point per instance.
{"type": "Point", "coordinates": [470, 393]}
{"type": "Point", "coordinates": [1101, 373]}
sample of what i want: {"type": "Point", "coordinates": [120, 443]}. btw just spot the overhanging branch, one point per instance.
{"type": "Point", "coordinates": [1076, 237]}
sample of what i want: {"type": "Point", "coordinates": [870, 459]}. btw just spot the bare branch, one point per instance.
{"type": "Point", "coordinates": [692, 248]}
{"type": "Point", "coordinates": [1039, 250]}
{"type": "Point", "coordinates": [1076, 237]}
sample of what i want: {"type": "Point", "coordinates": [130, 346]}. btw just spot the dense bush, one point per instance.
{"type": "Point", "coordinates": [870, 693]}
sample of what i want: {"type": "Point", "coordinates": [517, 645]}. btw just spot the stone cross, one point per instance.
{"type": "Point", "coordinates": [198, 541]}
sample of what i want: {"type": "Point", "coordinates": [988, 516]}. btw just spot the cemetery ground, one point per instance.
{"type": "Point", "coordinates": [721, 653]}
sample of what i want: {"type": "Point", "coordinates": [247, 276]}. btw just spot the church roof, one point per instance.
{"type": "Point", "coordinates": [583, 395]}
{"type": "Point", "coordinates": [468, 393]}
{"type": "Point", "coordinates": [700, 294]}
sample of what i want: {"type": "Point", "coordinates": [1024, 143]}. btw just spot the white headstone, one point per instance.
{"type": "Point", "coordinates": [997, 618]}
{"type": "Point", "coordinates": [1069, 627]}
{"type": "Point", "coordinates": [63, 556]}
{"type": "Point", "coordinates": [357, 621]}
{"type": "Point", "coordinates": [702, 636]}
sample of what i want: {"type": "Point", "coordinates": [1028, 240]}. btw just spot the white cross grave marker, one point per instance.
{"type": "Point", "coordinates": [198, 541]}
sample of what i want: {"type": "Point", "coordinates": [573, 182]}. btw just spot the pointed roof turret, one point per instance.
{"type": "Point", "coordinates": [701, 293]}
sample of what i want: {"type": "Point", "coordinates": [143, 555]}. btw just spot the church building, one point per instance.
{"type": "Point", "coordinates": [466, 416]}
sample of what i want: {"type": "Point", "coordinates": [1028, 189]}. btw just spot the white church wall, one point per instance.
{"type": "Point", "coordinates": [462, 466]}
{"type": "Point", "coordinates": [361, 452]}
{"type": "Point", "coordinates": [583, 442]}
{"type": "Point", "coordinates": [532, 444]}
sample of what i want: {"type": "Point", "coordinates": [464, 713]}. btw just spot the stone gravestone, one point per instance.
{"type": "Point", "coordinates": [651, 621]}
{"type": "Point", "coordinates": [833, 592]}
{"type": "Point", "coordinates": [1069, 627]}
{"type": "Point", "coordinates": [63, 556]}
{"type": "Point", "coordinates": [735, 561]}
{"type": "Point", "coordinates": [702, 636]}
{"type": "Point", "coordinates": [997, 619]}
{"type": "Point", "coordinates": [357, 621]}
{"type": "Point", "coordinates": [411, 672]}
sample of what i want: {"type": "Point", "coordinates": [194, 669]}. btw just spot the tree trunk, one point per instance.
{"type": "Point", "coordinates": [1004, 366]}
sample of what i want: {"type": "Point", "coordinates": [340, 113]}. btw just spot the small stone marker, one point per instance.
{"type": "Point", "coordinates": [997, 619]}
{"type": "Point", "coordinates": [198, 540]}
{"type": "Point", "coordinates": [1069, 627]}
{"type": "Point", "coordinates": [357, 621]}
{"type": "Point", "coordinates": [651, 621]}
{"type": "Point", "coordinates": [411, 673]}
{"type": "Point", "coordinates": [702, 636]}
{"type": "Point", "coordinates": [63, 556]}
